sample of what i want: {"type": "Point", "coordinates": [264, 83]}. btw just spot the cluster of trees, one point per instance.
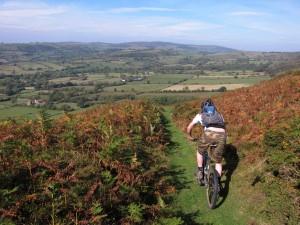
{"type": "Point", "coordinates": [12, 85]}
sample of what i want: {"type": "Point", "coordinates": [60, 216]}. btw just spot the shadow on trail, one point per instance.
{"type": "Point", "coordinates": [189, 218]}
{"type": "Point", "coordinates": [176, 175]}
{"type": "Point", "coordinates": [231, 161]}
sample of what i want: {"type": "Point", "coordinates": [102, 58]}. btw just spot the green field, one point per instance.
{"type": "Point", "coordinates": [11, 70]}
{"type": "Point", "coordinates": [28, 67]}
{"type": "Point", "coordinates": [73, 106]}
{"type": "Point", "coordinates": [166, 98]}
{"type": "Point", "coordinates": [167, 78]}
{"type": "Point", "coordinates": [83, 80]}
{"type": "Point", "coordinates": [28, 93]}
{"type": "Point", "coordinates": [20, 112]}
{"type": "Point", "coordinates": [4, 105]}
{"type": "Point", "coordinates": [31, 66]}
{"type": "Point", "coordinates": [187, 95]}
{"type": "Point", "coordinates": [137, 87]}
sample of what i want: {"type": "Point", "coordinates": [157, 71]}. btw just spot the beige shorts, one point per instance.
{"type": "Point", "coordinates": [216, 138]}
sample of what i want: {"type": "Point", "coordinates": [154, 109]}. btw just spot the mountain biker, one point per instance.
{"type": "Point", "coordinates": [214, 133]}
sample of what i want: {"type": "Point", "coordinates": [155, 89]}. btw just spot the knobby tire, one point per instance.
{"type": "Point", "coordinates": [212, 191]}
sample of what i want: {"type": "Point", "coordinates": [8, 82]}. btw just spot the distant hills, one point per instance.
{"type": "Point", "coordinates": [162, 57]}
{"type": "Point", "coordinates": [97, 46]}
{"type": "Point", "coordinates": [173, 46]}
{"type": "Point", "coordinates": [70, 50]}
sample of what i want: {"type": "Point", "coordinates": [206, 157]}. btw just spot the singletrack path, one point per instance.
{"type": "Point", "coordinates": [191, 198]}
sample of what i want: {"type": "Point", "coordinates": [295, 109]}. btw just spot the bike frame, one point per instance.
{"type": "Point", "coordinates": [206, 163]}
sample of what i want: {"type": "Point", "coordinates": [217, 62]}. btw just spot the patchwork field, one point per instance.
{"type": "Point", "coordinates": [20, 112]}
{"type": "Point", "coordinates": [73, 76]}
{"type": "Point", "coordinates": [137, 87]}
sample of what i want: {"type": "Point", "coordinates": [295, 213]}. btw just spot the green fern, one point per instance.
{"type": "Point", "coordinates": [135, 212]}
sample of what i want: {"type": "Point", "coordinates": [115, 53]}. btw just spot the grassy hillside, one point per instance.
{"type": "Point", "coordinates": [263, 123]}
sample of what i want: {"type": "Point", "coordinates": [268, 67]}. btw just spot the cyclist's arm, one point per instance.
{"type": "Point", "coordinates": [189, 128]}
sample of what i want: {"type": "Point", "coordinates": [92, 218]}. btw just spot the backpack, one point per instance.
{"type": "Point", "coordinates": [214, 119]}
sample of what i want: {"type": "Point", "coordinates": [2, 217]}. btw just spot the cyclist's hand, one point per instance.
{"type": "Point", "coordinates": [191, 138]}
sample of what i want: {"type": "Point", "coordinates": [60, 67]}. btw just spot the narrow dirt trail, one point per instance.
{"type": "Point", "coordinates": [191, 198]}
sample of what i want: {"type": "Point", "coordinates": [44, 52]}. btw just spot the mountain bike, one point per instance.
{"type": "Point", "coordinates": [210, 179]}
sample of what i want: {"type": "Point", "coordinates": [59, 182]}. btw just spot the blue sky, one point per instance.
{"type": "Point", "coordinates": [263, 25]}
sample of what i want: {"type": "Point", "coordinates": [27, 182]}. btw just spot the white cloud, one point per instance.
{"type": "Point", "coordinates": [19, 9]}
{"type": "Point", "coordinates": [187, 27]}
{"type": "Point", "coordinates": [31, 12]}
{"type": "Point", "coordinates": [31, 15]}
{"type": "Point", "coordinates": [40, 17]}
{"type": "Point", "coordinates": [247, 13]}
{"type": "Point", "coordinates": [139, 9]}
{"type": "Point", "coordinates": [20, 4]}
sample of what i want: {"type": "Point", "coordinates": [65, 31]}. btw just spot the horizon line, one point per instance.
{"type": "Point", "coordinates": [127, 42]}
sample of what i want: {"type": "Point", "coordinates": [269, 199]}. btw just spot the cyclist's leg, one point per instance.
{"type": "Point", "coordinates": [220, 139]}
{"type": "Point", "coordinates": [199, 159]}
{"type": "Point", "coordinates": [202, 147]}
{"type": "Point", "coordinates": [219, 169]}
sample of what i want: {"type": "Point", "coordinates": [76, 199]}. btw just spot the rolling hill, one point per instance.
{"type": "Point", "coordinates": [41, 51]}
{"type": "Point", "coordinates": [162, 57]}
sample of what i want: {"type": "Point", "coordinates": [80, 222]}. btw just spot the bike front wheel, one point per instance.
{"type": "Point", "coordinates": [212, 190]}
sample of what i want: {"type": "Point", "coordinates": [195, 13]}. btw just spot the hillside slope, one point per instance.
{"type": "Point", "coordinates": [263, 123]}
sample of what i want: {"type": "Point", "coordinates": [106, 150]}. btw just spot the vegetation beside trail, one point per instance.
{"type": "Point", "coordinates": [263, 123]}
{"type": "Point", "coordinates": [107, 165]}
{"type": "Point", "coordinates": [103, 166]}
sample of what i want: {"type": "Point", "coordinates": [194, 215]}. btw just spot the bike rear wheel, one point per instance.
{"type": "Point", "coordinates": [212, 191]}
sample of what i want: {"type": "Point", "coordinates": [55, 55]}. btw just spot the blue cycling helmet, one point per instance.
{"type": "Point", "coordinates": [208, 106]}
{"type": "Point", "coordinates": [209, 109]}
